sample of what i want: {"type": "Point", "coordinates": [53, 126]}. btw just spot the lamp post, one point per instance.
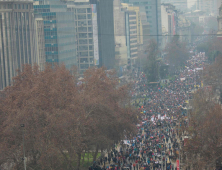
{"type": "Point", "coordinates": [23, 126]}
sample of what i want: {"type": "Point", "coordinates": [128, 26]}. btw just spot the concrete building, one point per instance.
{"type": "Point", "coordinates": [219, 3]}
{"type": "Point", "coordinates": [106, 40]}
{"type": "Point", "coordinates": [40, 41]}
{"type": "Point", "coordinates": [17, 38]}
{"type": "Point", "coordinates": [134, 34]}
{"type": "Point", "coordinates": [169, 22]}
{"type": "Point", "coordinates": [82, 9]}
{"type": "Point", "coordinates": [120, 34]}
{"type": "Point", "coordinates": [211, 7]}
{"type": "Point", "coordinates": [219, 20]}
{"type": "Point", "coordinates": [153, 15]}
{"type": "Point", "coordinates": [59, 31]}
{"type": "Point", "coordinates": [184, 29]}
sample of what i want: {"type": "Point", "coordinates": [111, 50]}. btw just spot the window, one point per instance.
{"type": "Point", "coordinates": [88, 10]}
{"type": "Point", "coordinates": [83, 35]}
{"type": "Point", "coordinates": [90, 35]}
{"type": "Point", "coordinates": [83, 47]}
{"type": "Point", "coordinates": [82, 29]}
{"type": "Point", "coordinates": [15, 6]}
{"type": "Point", "coordinates": [83, 60]}
{"type": "Point", "coordinates": [83, 54]}
{"type": "Point", "coordinates": [133, 27]}
{"type": "Point", "coordinates": [19, 6]}
{"type": "Point", "coordinates": [81, 10]}
{"type": "Point", "coordinates": [89, 29]}
{"type": "Point", "coordinates": [132, 18]}
{"type": "Point", "coordinates": [83, 41]}
{"type": "Point", "coordinates": [84, 66]}
{"type": "Point", "coordinates": [81, 16]}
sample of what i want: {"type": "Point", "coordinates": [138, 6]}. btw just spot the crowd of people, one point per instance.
{"type": "Point", "coordinates": [165, 116]}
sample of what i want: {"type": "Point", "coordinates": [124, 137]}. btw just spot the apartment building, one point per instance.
{"type": "Point", "coordinates": [85, 33]}
{"type": "Point", "coordinates": [59, 32]}
{"type": "Point", "coordinates": [17, 38]}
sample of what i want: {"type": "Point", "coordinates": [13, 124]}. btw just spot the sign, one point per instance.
{"type": "Point", "coordinates": [178, 164]}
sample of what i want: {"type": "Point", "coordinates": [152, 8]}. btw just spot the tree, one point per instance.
{"type": "Point", "coordinates": [62, 117]}
{"type": "Point", "coordinates": [151, 67]}
{"type": "Point", "coordinates": [205, 130]}
{"type": "Point", "coordinates": [101, 94]}
{"type": "Point", "coordinates": [177, 53]}
{"type": "Point", "coordinates": [212, 48]}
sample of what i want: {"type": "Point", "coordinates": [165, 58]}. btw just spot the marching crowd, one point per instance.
{"type": "Point", "coordinates": [165, 116]}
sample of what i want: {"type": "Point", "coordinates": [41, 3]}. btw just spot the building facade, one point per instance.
{"type": "Point", "coordinates": [17, 38]}
{"type": "Point", "coordinates": [169, 17]}
{"type": "Point", "coordinates": [84, 32]}
{"type": "Point", "coordinates": [219, 20]}
{"type": "Point", "coordinates": [59, 32]}
{"type": "Point", "coordinates": [120, 34]}
{"type": "Point", "coordinates": [106, 40]}
{"type": "Point", "coordinates": [153, 14]}
{"type": "Point", "coordinates": [209, 6]}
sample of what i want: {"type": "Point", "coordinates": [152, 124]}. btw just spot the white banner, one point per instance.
{"type": "Point", "coordinates": [95, 34]}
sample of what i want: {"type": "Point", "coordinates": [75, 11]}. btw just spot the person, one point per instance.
{"type": "Point", "coordinates": [134, 166]}
{"type": "Point", "coordinates": [109, 159]}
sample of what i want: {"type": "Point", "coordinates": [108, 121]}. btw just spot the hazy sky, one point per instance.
{"type": "Point", "coordinates": [190, 3]}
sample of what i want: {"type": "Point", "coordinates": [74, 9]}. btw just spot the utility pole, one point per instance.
{"type": "Point", "coordinates": [23, 126]}
{"type": "Point", "coordinates": [165, 155]}
{"type": "Point", "coordinates": [161, 158]}
{"type": "Point", "coordinates": [157, 38]}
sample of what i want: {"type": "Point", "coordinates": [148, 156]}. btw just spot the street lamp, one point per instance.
{"type": "Point", "coordinates": [23, 126]}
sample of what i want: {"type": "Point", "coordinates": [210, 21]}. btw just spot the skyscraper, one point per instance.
{"type": "Point", "coordinates": [59, 31]}
{"type": "Point", "coordinates": [85, 33]}
{"type": "Point", "coordinates": [106, 40]}
{"type": "Point", "coordinates": [17, 38]}
{"type": "Point", "coordinates": [153, 15]}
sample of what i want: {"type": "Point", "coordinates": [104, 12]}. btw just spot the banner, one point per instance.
{"type": "Point", "coordinates": [178, 164]}
{"type": "Point", "coordinates": [95, 34]}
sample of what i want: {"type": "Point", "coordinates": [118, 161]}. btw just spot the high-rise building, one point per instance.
{"type": "Point", "coordinates": [59, 32]}
{"type": "Point", "coordinates": [85, 33]}
{"type": "Point", "coordinates": [169, 22]}
{"type": "Point", "coordinates": [219, 20]}
{"type": "Point", "coordinates": [133, 31]}
{"type": "Point", "coordinates": [209, 6]}
{"type": "Point", "coordinates": [153, 15]}
{"type": "Point", "coordinates": [120, 34]}
{"type": "Point", "coordinates": [106, 40]}
{"type": "Point", "coordinates": [17, 38]}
